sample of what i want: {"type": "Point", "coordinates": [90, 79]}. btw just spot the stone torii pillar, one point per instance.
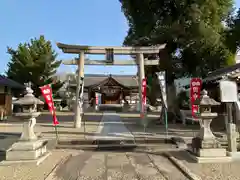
{"type": "Point", "coordinates": [141, 76]}
{"type": "Point", "coordinates": [79, 92]}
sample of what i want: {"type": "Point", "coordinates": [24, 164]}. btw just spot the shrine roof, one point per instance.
{"type": "Point", "coordinates": [4, 81]}
{"type": "Point", "coordinates": [231, 72]}
{"type": "Point", "coordinates": [125, 80]}
{"type": "Point", "coordinates": [220, 73]}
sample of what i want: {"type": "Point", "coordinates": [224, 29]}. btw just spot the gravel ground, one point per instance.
{"type": "Point", "coordinates": [31, 172]}
{"type": "Point", "coordinates": [216, 171]}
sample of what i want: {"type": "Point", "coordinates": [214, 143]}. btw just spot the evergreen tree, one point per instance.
{"type": "Point", "coordinates": [34, 62]}
{"type": "Point", "coordinates": [193, 32]}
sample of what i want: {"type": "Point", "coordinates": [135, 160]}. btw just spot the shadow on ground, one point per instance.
{"type": "Point", "coordinates": [69, 132]}
{"type": "Point", "coordinates": [6, 141]}
{"type": "Point", "coordinates": [182, 155]}
{"type": "Point", "coordinates": [46, 118]}
{"type": "Point", "coordinates": [69, 118]}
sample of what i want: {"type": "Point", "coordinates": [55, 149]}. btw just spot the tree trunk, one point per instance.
{"type": "Point", "coordinates": [154, 93]}
{"type": "Point", "coordinates": [171, 96]}
{"type": "Point", "coordinates": [166, 65]}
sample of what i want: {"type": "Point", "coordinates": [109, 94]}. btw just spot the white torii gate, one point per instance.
{"type": "Point", "coordinates": [110, 51]}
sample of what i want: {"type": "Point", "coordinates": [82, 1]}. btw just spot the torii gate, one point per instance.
{"type": "Point", "coordinates": [109, 51]}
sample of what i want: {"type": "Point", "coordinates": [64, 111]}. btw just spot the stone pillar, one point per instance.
{"type": "Point", "coordinates": [28, 133]}
{"type": "Point", "coordinates": [141, 76]}
{"type": "Point", "coordinates": [232, 137]}
{"type": "Point", "coordinates": [80, 76]}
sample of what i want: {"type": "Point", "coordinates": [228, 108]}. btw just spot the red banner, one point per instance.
{"type": "Point", "coordinates": [195, 90]}
{"type": "Point", "coordinates": [144, 95]}
{"type": "Point", "coordinates": [47, 94]}
{"type": "Point", "coordinates": [96, 95]}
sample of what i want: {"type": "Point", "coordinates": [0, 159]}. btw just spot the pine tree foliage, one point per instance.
{"type": "Point", "coordinates": [34, 62]}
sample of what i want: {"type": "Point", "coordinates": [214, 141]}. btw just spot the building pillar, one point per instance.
{"type": "Point", "coordinates": [79, 95]}
{"type": "Point", "coordinates": [141, 76]}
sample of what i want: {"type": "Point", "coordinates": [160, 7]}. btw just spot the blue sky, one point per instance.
{"type": "Point", "coordinates": [86, 22]}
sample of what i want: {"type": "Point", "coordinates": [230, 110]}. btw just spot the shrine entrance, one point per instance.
{"type": "Point", "coordinates": [112, 92]}
{"type": "Point", "coordinates": [109, 51]}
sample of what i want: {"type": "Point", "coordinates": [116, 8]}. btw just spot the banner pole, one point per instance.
{"type": "Point", "coordinates": [84, 127]}
{"type": "Point", "coordinates": [54, 115]}
{"type": "Point", "coordinates": [166, 122]}
{"type": "Point", "coordinates": [56, 132]}
{"type": "Point", "coordinates": [55, 124]}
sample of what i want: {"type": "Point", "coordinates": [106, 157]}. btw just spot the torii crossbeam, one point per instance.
{"type": "Point", "coordinates": [129, 62]}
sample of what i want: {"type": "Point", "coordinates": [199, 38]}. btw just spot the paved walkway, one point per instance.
{"type": "Point", "coordinates": [117, 166]}
{"type": "Point", "coordinates": [112, 127]}
{"type": "Point", "coordinates": [111, 165]}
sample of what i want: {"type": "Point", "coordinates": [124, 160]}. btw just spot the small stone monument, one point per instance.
{"type": "Point", "coordinates": [232, 139]}
{"type": "Point", "coordinates": [28, 149]}
{"type": "Point", "coordinates": [232, 136]}
{"type": "Point", "coordinates": [205, 147]}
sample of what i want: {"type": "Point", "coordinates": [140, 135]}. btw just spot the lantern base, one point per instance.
{"type": "Point", "coordinates": [210, 156]}
{"type": "Point", "coordinates": [208, 151]}
{"type": "Point", "coordinates": [199, 143]}
{"type": "Point", "coordinates": [26, 152]}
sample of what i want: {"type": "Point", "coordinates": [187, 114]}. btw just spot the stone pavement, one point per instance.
{"type": "Point", "coordinates": [112, 127]}
{"type": "Point", "coordinates": [117, 166]}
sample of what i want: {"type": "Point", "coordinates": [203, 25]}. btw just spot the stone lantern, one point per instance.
{"type": "Point", "coordinates": [28, 148]}
{"type": "Point", "coordinates": [205, 146]}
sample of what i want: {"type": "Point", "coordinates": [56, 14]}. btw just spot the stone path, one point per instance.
{"type": "Point", "coordinates": [117, 166]}
{"type": "Point", "coordinates": [112, 127]}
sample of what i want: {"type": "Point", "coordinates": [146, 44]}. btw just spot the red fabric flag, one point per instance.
{"type": "Point", "coordinates": [47, 94]}
{"type": "Point", "coordinates": [144, 94]}
{"type": "Point", "coordinates": [195, 92]}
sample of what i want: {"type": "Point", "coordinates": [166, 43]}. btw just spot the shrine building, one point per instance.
{"type": "Point", "coordinates": [113, 88]}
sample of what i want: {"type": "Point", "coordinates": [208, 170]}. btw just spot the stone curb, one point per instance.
{"type": "Point", "coordinates": [51, 175]}
{"type": "Point", "coordinates": [9, 124]}
{"type": "Point", "coordinates": [186, 171]}
{"type": "Point", "coordinates": [136, 115]}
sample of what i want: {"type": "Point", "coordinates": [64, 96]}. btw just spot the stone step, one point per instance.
{"type": "Point", "coordinates": [98, 147]}
{"type": "Point", "coordinates": [114, 141]}
{"type": "Point", "coordinates": [111, 144]}
{"type": "Point", "coordinates": [118, 147]}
